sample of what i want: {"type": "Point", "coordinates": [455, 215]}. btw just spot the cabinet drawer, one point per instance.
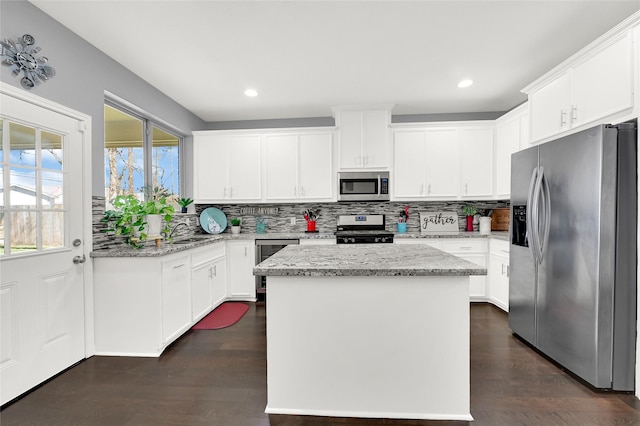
{"type": "Point", "coordinates": [207, 253]}
{"type": "Point", "coordinates": [430, 242]}
{"type": "Point", "coordinates": [499, 248]}
{"type": "Point", "coordinates": [465, 246]}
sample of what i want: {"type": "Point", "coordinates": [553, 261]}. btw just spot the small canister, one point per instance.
{"type": "Point", "coordinates": [485, 225]}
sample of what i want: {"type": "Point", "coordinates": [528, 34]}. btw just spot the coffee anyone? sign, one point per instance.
{"type": "Point", "coordinates": [438, 222]}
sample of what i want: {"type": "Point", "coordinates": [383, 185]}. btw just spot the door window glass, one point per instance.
{"type": "Point", "coordinates": [32, 212]}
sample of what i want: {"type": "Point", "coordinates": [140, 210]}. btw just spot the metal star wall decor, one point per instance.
{"type": "Point", "coordinates": [22, 54]}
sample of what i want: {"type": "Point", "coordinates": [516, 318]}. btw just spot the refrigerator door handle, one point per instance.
{"type": "Point", "coordinates": [532, 216]}
{"type": "Point", "coordinates": [539, 212]}
{"type": "Point", "coordinates": [546, 211]}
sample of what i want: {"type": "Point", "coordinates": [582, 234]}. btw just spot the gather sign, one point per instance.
{"type": "Point", "coordinates": [438, 222]}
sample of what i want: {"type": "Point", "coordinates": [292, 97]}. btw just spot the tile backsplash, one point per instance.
{"type": "Point", "coordinates": [278, 216]}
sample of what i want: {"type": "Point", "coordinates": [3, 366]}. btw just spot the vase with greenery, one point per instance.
{"type": "Point", "coordinates": [469, 211]}
{"type": "Point", "coordinates": [235, 225]}
{"type": "Point", "coordinates": [184, 202]}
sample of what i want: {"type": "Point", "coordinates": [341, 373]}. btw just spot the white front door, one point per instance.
{"type": "Point", "coordinates": [41, 233]}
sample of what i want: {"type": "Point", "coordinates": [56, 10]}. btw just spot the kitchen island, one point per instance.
{"type": "Point", "coordinates": [376, 330]}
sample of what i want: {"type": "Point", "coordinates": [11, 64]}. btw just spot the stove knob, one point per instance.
{"type": "Point", "coordinates": [345, 240]}
{"type": "Point", "coordinates": [353, 240]}
{"type": "Point", "coordinates": [377, 240]}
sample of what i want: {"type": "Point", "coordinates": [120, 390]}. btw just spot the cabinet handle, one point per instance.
{"type": "Point", "coordinates": [179, 266]}
{"type": "Point", "coordinates": [302, 189]}
{"type": "Point", "coordinates": [215, 270]}
{"type": "Point", "coordinates": [502, 272]}
{"type": "Point", "coordinates": [231, 192]}
{"type": "Point", "coordinates": [563, 118]}
{"type": "Point", "coordinates": [429, 189]}
{"type": "Point", "coordinates": [574, 113]}
{"type": "Point", "coordinates": [421, 188]}
{"type": "Point", "coordinates": [466, 248]}
{"type": "Point", "coordinates": [504, 251]}
{"type": "Point", "coordinates": [245, 252]}
{"type": "Point", "coordinates": [295, 191]}
{"type": "Point", "coordinates": [224, 192]}
{"type": "Point", "coordinates": [508, 271]}
{"type": "Point", "coordinates": [466, 189]}
{"type": "Point", "coordinates": [210, 272]}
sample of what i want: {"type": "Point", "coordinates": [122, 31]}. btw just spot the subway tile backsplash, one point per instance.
{"type": "Point", "coordinates": [278, 216]}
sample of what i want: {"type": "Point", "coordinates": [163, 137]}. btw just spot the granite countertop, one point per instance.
{"type": "Point", "coordinates": [198, 240]}
{"type": "Point", "coordinates": [498, 235]}
{"type": "Point", "coordinates": [365, 260]}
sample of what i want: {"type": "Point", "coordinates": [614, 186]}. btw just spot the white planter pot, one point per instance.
{"type": "Point", "coordinates": [154, 225]}
{"type": "Point", "coordinates": [235, 229]}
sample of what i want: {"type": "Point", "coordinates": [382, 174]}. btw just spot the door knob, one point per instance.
{"type": "Point", "coordinates": [79, 259]}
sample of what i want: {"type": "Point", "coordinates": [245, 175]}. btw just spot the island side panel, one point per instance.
{"type": "Point", "coordinates": [384, 347]}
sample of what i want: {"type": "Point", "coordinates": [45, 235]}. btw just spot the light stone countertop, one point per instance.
{"type": "Point", "coordinates": [365, 260]}
{"type": "Point", "coordinates": [199, 240]}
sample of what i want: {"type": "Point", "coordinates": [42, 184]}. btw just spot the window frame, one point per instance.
{"type": "Point", "coordinates": [148, 123]}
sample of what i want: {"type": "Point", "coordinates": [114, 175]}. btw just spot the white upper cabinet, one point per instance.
{"type": "Point", "coordinates": [477, 162]}
{"type": "Point", "coordinates": [298, 166]}
{"type": "Point", "coordinates": [410, 159]}
{"type": "Point", "coordinates": [512, 131]}
{"type": "Point", "coordinates": [363, 138]}
{"type": "Point", "coordinates": [226, 168]}
{"type": "Point", "coordinates": [443, 162]}
{"type": "Point", "coordinates": [594, 86]}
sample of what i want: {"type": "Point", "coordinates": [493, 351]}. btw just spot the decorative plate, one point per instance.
{"type": "Point", "coordinates": [213, 220]}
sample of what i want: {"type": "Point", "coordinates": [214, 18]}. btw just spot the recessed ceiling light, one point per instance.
{"type": "Point", "coordinates": [465, 83]}
{"type": "Point", "coordinates": [251, 92]}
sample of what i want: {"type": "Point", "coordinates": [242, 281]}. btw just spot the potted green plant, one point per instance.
{"type": "Point", "coordinates": [125, 219]}
{"type": "Point", "coordinates": [156, 210]}
{"type": "Point", "coordinates": [184, 202]}
{"type": "Point", "coordinates": [235, 225]}
{"type": "Point", "coordinates": [469, 211]}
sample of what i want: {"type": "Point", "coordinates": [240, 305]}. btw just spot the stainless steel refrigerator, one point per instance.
{"type": "Point", "coordinates": [572, 286]}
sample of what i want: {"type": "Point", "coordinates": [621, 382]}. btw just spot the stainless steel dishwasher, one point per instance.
{"type": "Point", "coordinates": [265, 249]}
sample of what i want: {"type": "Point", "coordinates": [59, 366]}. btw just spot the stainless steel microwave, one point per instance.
{"type": "Point", "coordinates": [363, 186]}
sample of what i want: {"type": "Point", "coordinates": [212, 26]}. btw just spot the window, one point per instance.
{"type": "Point", "coordinates": [138, 153]}
{"type": "Point", "coordinates": [31, 189]}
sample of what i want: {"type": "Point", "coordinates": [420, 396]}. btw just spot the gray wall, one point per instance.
{"type": "Point", "coordinates": [83, 73]}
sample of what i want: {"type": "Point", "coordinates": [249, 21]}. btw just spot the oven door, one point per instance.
{"type": "Point", "coordinates": [361, 186]}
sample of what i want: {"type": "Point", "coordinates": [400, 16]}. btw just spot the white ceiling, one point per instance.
{"type": "Point", "coordinates": [305, 57]}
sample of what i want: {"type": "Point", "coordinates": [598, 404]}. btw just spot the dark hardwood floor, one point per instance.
{"type": "Point", "coordinates": [218, 377]}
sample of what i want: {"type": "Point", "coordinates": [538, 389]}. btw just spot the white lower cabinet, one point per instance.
{"type": "Point", "coordinates": [471, 249]}
{"type": "Point", "coordinates": [142, 304]}
{"type": "Point", "coordinates": [240, 262]}
{"type": "Point", "coordinates": [176, 297]}
{"type": "Point", "coordinates": [207, 290]}
{"type": "Point", "coordinates": [499, 274]}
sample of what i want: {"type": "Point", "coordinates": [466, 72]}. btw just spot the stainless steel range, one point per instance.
{"type": "Point", "coordinates": [362, 229]}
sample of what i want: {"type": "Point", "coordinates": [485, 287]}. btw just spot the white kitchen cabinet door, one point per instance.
{"type": "Point", "coordinates": [316, 177]}
{"type": "Point", "coordinates": [240, 263]}
{"type": "Point", "coordinates": [219, 282]}
{"type": "Point", "coordinates": [603, 84]}
{"type": "Point", "coordinates": [244, 164]}
{"type": "Point", "coordinates": [377, 153]}
{"type": "Point", "coordinates": [477, 283]}
{"type": "Point", "coordinates": [210, 167]}
{"type": "Point", "coordinates": [477, 162]}
{"type": "Point", "coordinates": [281, 181]}
{"type": "Point", "coordinates": [507, 142]}
{"type": "Point", "coordinates": [443, 163]}
{"type": "Point", "coordinates": [409, 172]}
{"type": "Point", "coordinates": [350, 139]}
{"type": "Point", "coordinates": [201, 286]}
{"type": "Point", "coordinates": [364, 138]}
{"type": "Point", "coordinates": [499, 274]}
{"type": "Point", "coordinates": [549, 108]}
{"type": "Point", "coordinates": [176, 297]}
